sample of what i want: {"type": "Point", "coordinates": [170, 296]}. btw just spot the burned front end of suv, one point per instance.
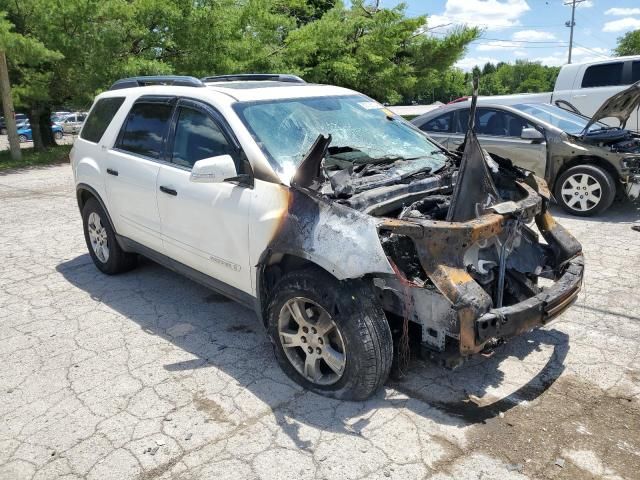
{"type": "Point", "coordinates": [465, 284]}
{"type": "Point", "coordinates": [466, 253]}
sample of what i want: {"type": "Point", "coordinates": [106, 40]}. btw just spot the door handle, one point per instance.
{"type": "Point", "coordinates": [110, 171]}
{"type": "Point", "coordinates": [168, 191]}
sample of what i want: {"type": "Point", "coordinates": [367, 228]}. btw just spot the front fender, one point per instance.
{"type": "Point", "coordinates": [341, 240]}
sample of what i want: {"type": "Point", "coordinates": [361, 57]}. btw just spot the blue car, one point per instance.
{"type": "Point", "coordinates": [24, 132]}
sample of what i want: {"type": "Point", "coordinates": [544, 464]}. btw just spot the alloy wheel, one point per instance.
{"type": "Point", "coordinates": [311, 340]}
{"type": "Point", "coordinates": [581, 192]}
{"type": "Point", "coordinates": [98, 237]}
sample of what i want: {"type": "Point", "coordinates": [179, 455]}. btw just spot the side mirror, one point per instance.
{"type": "Point", "coordinates": [213, 169]}
{"type": "Point", "coordinates": [531, 134]}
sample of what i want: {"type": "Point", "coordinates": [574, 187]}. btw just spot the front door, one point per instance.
{"type": "Point", "coordinates": [204, 225]}
{"type": "Point", "coordinates": [132, 171]}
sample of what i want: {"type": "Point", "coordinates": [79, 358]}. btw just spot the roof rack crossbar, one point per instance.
{"type": "Point", "coordinates": [176, 80]}
{"type": "Point", "coordinates": [247, 77]}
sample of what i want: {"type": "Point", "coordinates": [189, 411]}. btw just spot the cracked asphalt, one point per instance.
{"type": "Point", "coordinates": [147, 375]}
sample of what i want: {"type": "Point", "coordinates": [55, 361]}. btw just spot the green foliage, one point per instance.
{"type": "Point", "coordinates": [31, 157]}
{"type": "Point", "coordinates": [73, 49]}
{"type": "Point", "coordinates": [520, 77]}
{"type": "Point", "coordinates": [628, 44]}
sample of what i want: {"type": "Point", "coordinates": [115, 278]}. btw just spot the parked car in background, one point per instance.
{"type": "Point", "coordinates": [20, 117]}
{"type": "Point", "coordinates": [584, 161]}
{"type": "Point", "coordinates": [73, 122]}
{"type": "Point", "coordinates": [25, 133]}
{"type": "Point", "coordinates": [57, 118]}
{"type": "Point", "coordinates": [584, 86]}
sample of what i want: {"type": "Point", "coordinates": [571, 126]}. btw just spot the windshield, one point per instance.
{"type": "Point", "coordinates": [559, 117]}
{"type": "Point", "coordinates": [362, 132]}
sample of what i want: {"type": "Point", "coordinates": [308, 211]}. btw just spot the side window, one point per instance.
{"type": "Point", "coordinates": [144, 131]}
{"type": "Point", "coordinates": [438, 124]}
{"type": "Point", "coordinates": [603, 75]}
{"type": "Point", "coordinates": [635, 71]}
{"type": "Point", "coordinates": [100, 117]}
{"type": "Point", "coordinates": [197, 137]}
{"type": "Point", "coordinates": [462, 121]}
{"type": "Point", "coordinates": [500, 124]}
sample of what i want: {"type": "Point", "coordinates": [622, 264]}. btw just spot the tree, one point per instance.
{"type": "Point", "coordinates": [374, 50]}
{"type": "Point", "coordinates": [24, 53]}
{"type": "Point", "coordinates": [379, 51]}
{"type": "Point", "coordinates": [628, 44]}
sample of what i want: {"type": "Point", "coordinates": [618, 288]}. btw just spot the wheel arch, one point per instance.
{"type": "Point", "coordinates": [273, 265]}
{"type": "Point", "coordinates": [588, 160]}
{"type": "Point", "coordinates": [85, 192]}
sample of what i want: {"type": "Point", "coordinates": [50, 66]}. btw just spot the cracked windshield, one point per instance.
{"type": "Point", "coordinates": [363, 133]}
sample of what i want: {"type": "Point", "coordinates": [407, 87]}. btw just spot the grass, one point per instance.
{"type": "Point", "coordinates": [31, 158]}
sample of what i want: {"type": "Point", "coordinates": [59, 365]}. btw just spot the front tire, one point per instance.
{"type": "Point", "coordinates": [585, 190]}
{"type": "Point", "coordinates": [101, 241]}
{"type": "Point", "coordinates": [22, 138]}
{"type": "Point", "coordinates": [330, 337]}
{"type": "Point", "coordinates": [57, 135]}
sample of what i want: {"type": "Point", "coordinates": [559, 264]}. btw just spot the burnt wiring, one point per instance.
{"type": "Point", "coordinates": [404, 350]}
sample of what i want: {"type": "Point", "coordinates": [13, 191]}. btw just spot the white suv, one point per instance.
{"type": "Point", "coordinates": [344, 227]}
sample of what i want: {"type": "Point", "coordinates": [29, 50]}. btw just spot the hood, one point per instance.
{"type": "Point", "coordinates": [620, 106]}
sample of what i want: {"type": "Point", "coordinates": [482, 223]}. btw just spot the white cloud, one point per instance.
{"type": "Point", "coordinates": [533, 35]}
{"type": "Point", "coordinates": [468, 63]}
{"type": "Point", "coordinates": [621, 25]}
{"type": "Point", "coordinates": [619, 12]}
{"type": "Point", "coordinates": [490, 14]}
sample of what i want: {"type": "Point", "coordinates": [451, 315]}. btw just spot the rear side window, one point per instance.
{"type": "Point", "coordinates": [438, 124]}
{"type": "Point", "coordinates": [635, 72]}
{"type": "Point", "coordinates": [604, 75]}
{"type": "Point", "coordinates": [100, 117]}
{"type": "Point", "coordinates": [145, 129]}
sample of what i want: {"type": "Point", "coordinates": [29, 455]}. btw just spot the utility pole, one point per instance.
{"type": "Point", "coordinates": [572, 23]}
{"type": "Point", "coordinates": [7, 105]}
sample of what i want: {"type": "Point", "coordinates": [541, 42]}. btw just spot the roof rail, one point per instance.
{"type": "Point", "coordinates": [247, 77]}
{"type": "Point", "coordinates": [176, 80]}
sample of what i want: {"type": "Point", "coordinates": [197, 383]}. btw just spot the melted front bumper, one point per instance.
{"type": "Point", "coordinates": [441, 247]}
{"type": "Point", "coordinates": [533, 312]}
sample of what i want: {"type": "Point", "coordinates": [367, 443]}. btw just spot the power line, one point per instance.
{"type": "Point", "coordinates": [592, 51]}
{"type": "Point", "coordinates": [520, 46]}
{"type": "Point", "coordinates": [523, 41]}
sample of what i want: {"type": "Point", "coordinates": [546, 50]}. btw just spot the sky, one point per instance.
{"type": "Point", "coordinates": [530, 29]}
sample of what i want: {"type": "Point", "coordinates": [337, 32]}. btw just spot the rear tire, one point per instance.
{"type": "Point", "coordinates": [585, 190]}
{"type": "Point", "coordinates": [358, 347]}
{"type": "Point", "coordinates": [3, 131]}
{"type": "Point", "coordinates": [101, 241]}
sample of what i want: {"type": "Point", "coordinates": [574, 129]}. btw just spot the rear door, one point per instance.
{"type": "Point", "coordinates": [132, 169]}
{"type": "Point", "coordinates": [204, 225]}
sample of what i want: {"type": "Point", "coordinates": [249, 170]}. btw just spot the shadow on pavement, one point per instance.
{"type": "Point", "coordinates": [227, 336]}
{"type": "Point", "coordinates": [620, 211]}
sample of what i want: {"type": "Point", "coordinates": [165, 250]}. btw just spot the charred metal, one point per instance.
{"type": "Point", "coordinates": [468, 252]}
